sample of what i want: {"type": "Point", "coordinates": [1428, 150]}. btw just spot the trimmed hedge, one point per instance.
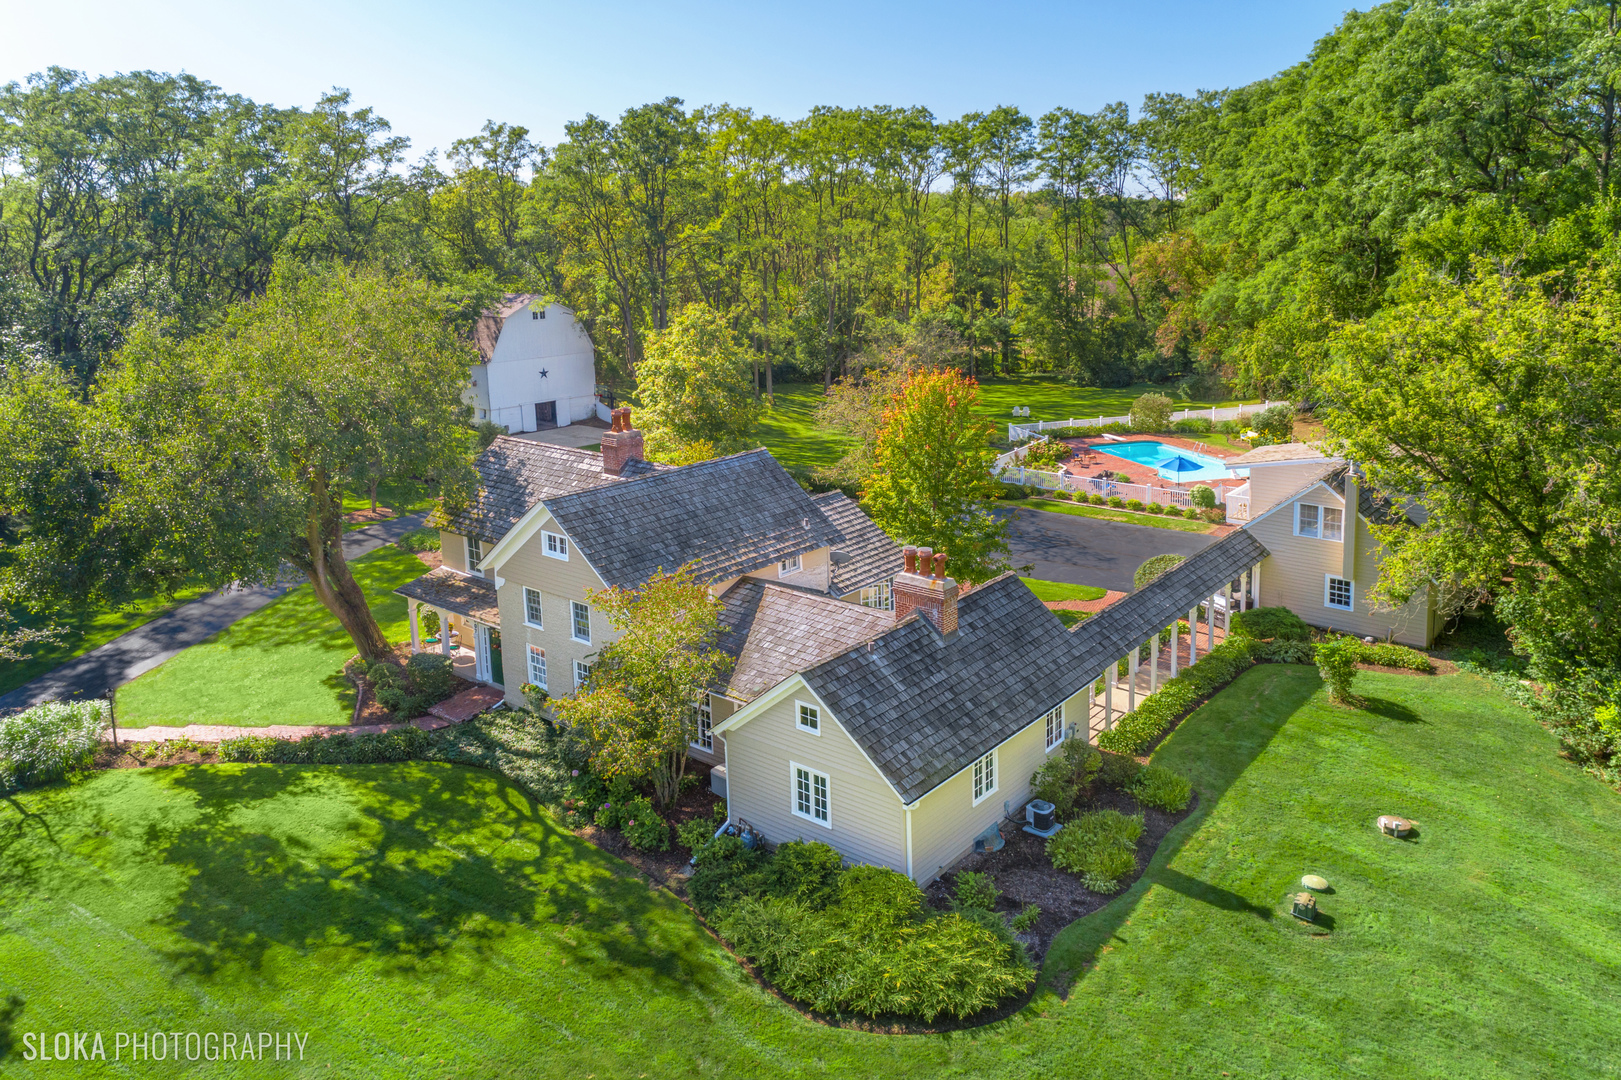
{"type": "Point", "coordinates": [1275, 623]}
{"type": "Point", "coordinates": [1157, 712]}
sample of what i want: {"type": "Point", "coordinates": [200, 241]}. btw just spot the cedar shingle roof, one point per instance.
{"type": "Point", "coordinates": [451, 591]}
{"type": "Point", "coordinates": [515, 474]}
{"type": "Point", "coordinates": [872, 555]}
{"type": "Point", "coordinates": [771, 631]}
{"type": "Point", "coordinates": [731, 515]}
{"type": "Point", "coordinates": [923, 707]}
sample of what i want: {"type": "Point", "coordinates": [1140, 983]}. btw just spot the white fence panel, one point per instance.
{"type": "Point", "coordinates": [1070, 482]}
{"type": "Point", "coordinates": [1015, 432]}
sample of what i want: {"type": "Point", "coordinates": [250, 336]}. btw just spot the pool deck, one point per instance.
{"type": "Point", "coordinates": [1088, 461]}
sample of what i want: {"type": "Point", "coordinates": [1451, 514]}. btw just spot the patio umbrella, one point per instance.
{"type": "Point", "coordinates": [1179, 464]}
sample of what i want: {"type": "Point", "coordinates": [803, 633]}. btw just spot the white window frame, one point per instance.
{"type": "Point", "coordinates": [539, 621]}
{"type": "Point", "coordinates": [812, 775]}
{"type": "Point", "coordinates": [537, 653]}
{"type": "Point", "coordinates": [470, 554]}
{"type": "Point", "coordinates": [537, 313]}
{"type": "Point", "coordinates": [582, 672]}
{"type": "Point", "coordinates": [1320, 529]}
{"type": "Point", "coordinates": [790, 566]}
{"type": "Point", "coordinates": [800, 708]}
{"type": "Point", "coordinates": [554, 545]}
{"type": "Point", "coordinates": [1317, 520]}
{"type": "Point", "coordinates": [1328, 591]}
{"type": "Point", "coordinates": [988, 762]}
{"type": "Point", "coordinates": [706, 725]}
{"type": "Point", "coordinates": [880, 596]}
{"type": "Point", "coordinates": [575, 607]}
{"type": "Point", "coordinates": [1055, 724]}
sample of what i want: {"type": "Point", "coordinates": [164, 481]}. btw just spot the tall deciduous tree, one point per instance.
{"type": "Point", "coordinates": [695, 385]}
{"type": "Point", "coordinates": [931, 477]}
{"type": "Point", "coordinates": [639, 709]}
{"type": "Point", "coordinates": [220, 456]}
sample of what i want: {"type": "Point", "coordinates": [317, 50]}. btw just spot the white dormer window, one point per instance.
{"type": "Point", "coordinates": [791, 565]}
{"type": "Point", "coordinates": [470, 554]}
{"type": "Point", "coordinates": [1319, 522]}
{"type": "Point", "coordinates": [556, 545]}
{"type": "Point", "coordinates": [880, 596]}
{"type": "Point", "coordinates": [808, 717]}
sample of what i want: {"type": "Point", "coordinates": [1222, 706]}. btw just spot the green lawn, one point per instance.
{"type": "Point", "coordinates": [281, 665]}
{"type": "Point", "coordinates": [425, 920]}
{"type": "Point", "coordinates": [789, 429]}
{"type": "Point", "coordinates": [402, 496]}
{"type": "Point", "coordinates": [1104, 513]}
{"type": "Point", "coordinates": [81, 633]}
{"type": "Point", "coordinates": [1052, 592]}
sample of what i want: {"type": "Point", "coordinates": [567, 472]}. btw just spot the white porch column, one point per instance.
{"type": "Point", "coordinates": [1244, 591]}
{"type": "Point", "coordinates": [411, 615]}
{"type": "Point", "coordinates": [1108, 698]}
{"type": "Point", "coordinates": [1153, 669]}
{"type": "Point", "coordinates": [444, 631]}
{"type": "Point", "coordinates": [1131, 677]}
{"type": "Point", "coordinates": [1257, 580]}
{"type": "Point", "coordinates": [1193, 635]}
{"type": "Point", "coordinates": [1176, 646]}
{"type": "Point", "coordinates": [1210, 623]}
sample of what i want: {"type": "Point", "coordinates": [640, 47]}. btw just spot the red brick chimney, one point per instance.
{"type": "Point", "coordinates": [922, 586]}
{"type": "Point", "coordinates": [621, 443]}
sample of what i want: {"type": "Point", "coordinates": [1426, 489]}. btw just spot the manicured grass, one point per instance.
{"type": "Point", "coordinates": [1052, 592]}
{"type": "Point", "coordinates": [426, 920]}
{"type": "Point", "coordinates": [81, 633]}
{"type": "Point", "coordinates": [402, 496]}
{"type": "Point", "coordinates": [281, 665]}
{"type": "Point", "coordinates": [1488, 944]}
{"type": "Point", "coordinates": [790, 431]}
{"type": "Point", "coordinates": [1105, 513]}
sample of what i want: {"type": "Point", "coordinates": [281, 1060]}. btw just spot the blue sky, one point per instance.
{"type": "Point", "coordinates": [438, 71]}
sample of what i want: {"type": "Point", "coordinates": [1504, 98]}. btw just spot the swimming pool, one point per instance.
{"type": "Point", "coordinates": [1153, 453]}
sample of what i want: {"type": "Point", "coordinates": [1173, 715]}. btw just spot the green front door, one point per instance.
{"type": "Point", "coordinates": [497, 676]}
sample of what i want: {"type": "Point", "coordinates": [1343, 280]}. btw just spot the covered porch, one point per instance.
{"type": "Point", "coordinates": [1136, 642]}
{"type": "Point", "coordinates": [469, 622]}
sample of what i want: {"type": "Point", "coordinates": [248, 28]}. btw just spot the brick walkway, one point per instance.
{"type": "Point", "coordinates": [464, 706]}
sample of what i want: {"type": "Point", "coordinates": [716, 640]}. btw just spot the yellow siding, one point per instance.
{"type": "Point", "coordinates": [451, 550]}
{"type": "Point", "coordinates": [1294, 577]}
{"type": "Point", "coordinates": [1269, 484]}
{"type": "Point", "coordinates": [946, 821]}
{"type": "Point", "coordinates": [559, 583]}
{"type": "Point", "coordinates": [813, 572]}
{"type": "Point", "coordinates": [867, 823]}
{"type": "Point", "coordinates": [720, 709]}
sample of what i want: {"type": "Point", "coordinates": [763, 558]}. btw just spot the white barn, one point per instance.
{"type": "Point", "coordinates": [537, 366]}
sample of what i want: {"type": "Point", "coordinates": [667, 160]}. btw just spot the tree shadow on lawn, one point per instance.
{"type": "Point", "coordinates": [10, 1009]}
{"type": "Point", "coordinates": [391, 863]}
{"type": "Point", "coordinates": [1076, 949]}
{"type": "Point", "coordinates": [1391, 710]}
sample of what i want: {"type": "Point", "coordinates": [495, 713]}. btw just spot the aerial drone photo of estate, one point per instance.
{"type": "Point", "coordinates": [651, 564]}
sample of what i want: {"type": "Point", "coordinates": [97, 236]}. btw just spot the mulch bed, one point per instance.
{"type": "Point", "coordinates": [368, 515]}
{"type": "Point", "coordinates": [1025, 875]}
{"type": "Point", "coordinates": [666, 868]}
{"type": "Point", "coordinates": [433, 560]}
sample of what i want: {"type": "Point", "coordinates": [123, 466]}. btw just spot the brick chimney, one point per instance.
{"type": "Point", "coordinates": [922, 586]}
{"type": "Point", "coordinates": [621, 443]}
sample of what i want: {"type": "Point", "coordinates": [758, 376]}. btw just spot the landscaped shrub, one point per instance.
{"type": "Point", "coordinates": [612, 814]}
{"type": "Point", "coordinates": [1270, 623]}
{"type": "Point", "coordinates": [1158, 786]}
{"type": "Point", "coordinates": [1047, 455]}
{"type": "Point", "coordinates": [1193, 425]}
{"type": "Point", "coordinates": [1220, 666]}
{"type": "Point", "coordinates": [431, 676]}
{"type": "Point", "coordinates": [419, 540]}
{"type": "Point", "coordinates": [1397, 656]}
{"type": "Point", "coordinates": [1027, 917]}
{"type": "Point", "coordinates": [1202, 497]}
{"type": "Point", "coordinates": [336, 749]}
{"type": "Point", "coordinates": [1096, 499]}
{"type": "Point", "coordinates": [1065, 776]}
{"type": "Point", "coordinates": [1275, 424]}
{"type": "Point", "coordinates": [1099, 847]}
{"type": "Point", "coordinates": [727, 872]}
{"type": "Point", "coordinates": [1227, 427]}
{"type": "Point", "coordinates": [1286, 652]}
{"type": "Point", "coordinates": [644, 829]}
{"type": "Point", "coordinates": [1134, 504]}
{"type": "Point", "coordinates": [48, 741]}
{"type": "Point", "coordinates": [805, 872]}
{"type": "Point", "coordinates": [1151, 412]}
{"type": "Point", "coordinates": [875, 950]}
{"type": "Point", "coordinates": [694, 834]}
{"type": "Point", "coordinates": [973, 890]}
{"type": "Point", "coordinates": [1336, 663]}
{"type": "Point", "coordinates": [1154, 567]}
{"type": "Point", "coordinates": [1116, 501]}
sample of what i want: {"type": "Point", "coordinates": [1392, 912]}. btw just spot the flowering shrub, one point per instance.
{"type": "Point", "coordinates": [49, 741]}
{"type": "Point", "coordinates": [1047, 455]}
{"type": "Point", "coordinates": [644, 829]}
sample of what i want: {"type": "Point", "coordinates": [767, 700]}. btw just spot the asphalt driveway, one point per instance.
{"type": "Point", "coordinates": [1089, 551]}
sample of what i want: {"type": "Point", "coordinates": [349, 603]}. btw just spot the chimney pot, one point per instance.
{"type": "Point", "coordinates": [940, 564]}
{"type": "Point", "coordinates": [923, 587]}
{"type": "Point", "coordinates": [909, 557]}
{"type": "Point", "coordinates": [621, 444]}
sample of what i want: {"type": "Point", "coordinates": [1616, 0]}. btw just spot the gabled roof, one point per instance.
{"type": "Point", "coordinates": [771, 632]}
{"type": "Point", "coordinates": [1132, 620]}
{"type": "Point", "coordinates": [871, 556]}
{"type": "Point", "coordinates": [515, 474]}
{"type": "Point", "coordinates": [730, 515]}
{"type": "Point", "coordinates": [487, 330]}
{"type": "Point", "coordinates": [923, 706]}
{"type": "Point", "coordinates": [1375, 507]}
{"type": "Point", "coordinates": [1280, 454]}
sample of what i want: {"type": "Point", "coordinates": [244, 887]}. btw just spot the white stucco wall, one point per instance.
{"type": "Point", "coordinates": [557, 344]}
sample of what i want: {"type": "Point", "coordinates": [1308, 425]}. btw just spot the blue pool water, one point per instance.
{"type": "Point", "coordinates": [1152, 453]}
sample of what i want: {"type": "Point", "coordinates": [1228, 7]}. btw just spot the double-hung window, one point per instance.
{"type": "Point", "coordinates": [812, 796]}
{"type": "Point", "coordinates": [1054, 722]}
{"type": "Point", "coordinates": [537, 666]}
{"type": "Point", "coordinates": [1319, 522]}
{"type": "Point", "coordinates": [1338, 593]}
{"type": "Point", "coordinates": [555, 545]}
{"type": "Point", "coordinates": [878, 596]}
{"type": "Point", "coordinates": [706, 720]}
{"type": "Point", "coordinates": [808, 717]}
{"type": "Point", "coordinates": [582, 672]}
{"type": "Point", "coordinates": [470, 554]}
{"type": "Point", "coordinates": [531, 608]}
{"type": "Point", "coordinates": [790, 565]}
{"type": "Point", "coordinates": [984, 777]}
{"type": "Point", "coordinates": [581, 621]}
